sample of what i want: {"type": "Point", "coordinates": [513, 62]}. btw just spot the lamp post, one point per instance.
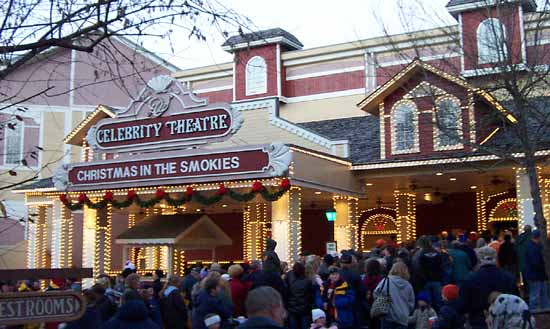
{"type": "Point", "coordinates": [330, 214]}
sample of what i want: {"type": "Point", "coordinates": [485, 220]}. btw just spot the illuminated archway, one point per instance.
{"type": "Point", "coordinates": [504, 211]}
{"type": "Point", "coordinates": [377, 226]}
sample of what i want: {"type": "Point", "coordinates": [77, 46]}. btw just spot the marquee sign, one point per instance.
{"type": "Point", "coordinates": [176, 168]}
{"type": "Point", "coordinates": [36, 307]}
{"type": "Point", "coordinates": [164, 115]}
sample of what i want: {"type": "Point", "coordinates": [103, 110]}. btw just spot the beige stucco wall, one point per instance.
{"type": "Point", "coordinates": [52, 133]}
{"type": "Point", "coordinates": [257, 129]}
{"type": "Point", "coordinates": [323, 109]}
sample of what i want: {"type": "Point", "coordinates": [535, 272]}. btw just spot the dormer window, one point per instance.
{"type": "Point", "coordinates": [404, 128]}
{"type": "Point", "coordinates": [256, 76]}
{"type": "Point", "coordinates": [448, 124]}
{"type": "Point", "coordinates": [491, 41]}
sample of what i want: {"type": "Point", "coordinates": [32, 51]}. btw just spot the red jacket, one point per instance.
{"type": "Point", "coordinates": [239, 291]}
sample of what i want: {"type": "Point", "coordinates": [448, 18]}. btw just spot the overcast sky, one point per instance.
{"type": "Point", "coordinates": [314, 22]}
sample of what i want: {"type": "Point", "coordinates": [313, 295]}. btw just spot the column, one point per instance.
{"type": "Point", "coordinates": [57, 234]}
{"type": "Point", "coordinates": [88, 243]}
{"type": "Point", "coordinates": [41, 243]}
{"type": "Point", "coordinates": [545, 190]}
{"type": "Point", "coordinates": [102, 258]}
{"type": "Point", "coordinates": [32, 238]}
{"type": "Point", "coordinates": [286, 225]}
{"type": "Point", "coordinates": [526, 212]}
{"type": "Point", "coordinates": [481, 211]}
{"type": "Point", "coordinates": [170, 260]}
{"type": "Point", "coordinates": [254, 223]}
{"type": "Point", "coordinates": [405, 208]}
{"type": "Point", "coordinates": [345, 226]}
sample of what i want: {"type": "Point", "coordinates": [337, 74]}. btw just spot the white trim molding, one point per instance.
{"type": "Point", "coordinates": [213, 89]}
{"type": "Point", "coordinates": [325, 73]}
{"type": "Point", "coordinates": [418, 163]}
{"type": "Point", "coordinates": [271, 105]}
{"type": "Point", "coordinates": [262, 42]}
{"type": "Point", "coordinates": [314, 97]}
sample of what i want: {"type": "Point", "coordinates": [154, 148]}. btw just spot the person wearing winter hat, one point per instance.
{"type": "Point", "coordinates": [423, 311]}
{"type": "Point", "coordinates": [212, 321]}
{"type": "Point", "coordinates": [449, 317]}
{"type": "Point", "coordinates": [319, 319]}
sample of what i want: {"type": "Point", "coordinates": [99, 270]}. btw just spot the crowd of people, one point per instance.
{"type": "Point", "coordinates": [438, 282]}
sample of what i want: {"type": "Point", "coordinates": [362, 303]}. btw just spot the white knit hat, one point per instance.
{"type": "Point", "coordinates": [317, 314]}
{"type": "Point", "coordinates": [212, 319]}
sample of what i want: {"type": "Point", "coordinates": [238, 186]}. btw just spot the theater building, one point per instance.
{"type": "Point", "coordinates": [209, 163]}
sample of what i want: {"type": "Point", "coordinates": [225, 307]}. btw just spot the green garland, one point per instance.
{"type": "Point", "coordinates": [188, 196]}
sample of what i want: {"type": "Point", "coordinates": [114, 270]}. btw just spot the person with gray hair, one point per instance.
{"type": "Point", "coordinates": [265, 310]}
{"type": "Point", "coordinates": [474, 293]}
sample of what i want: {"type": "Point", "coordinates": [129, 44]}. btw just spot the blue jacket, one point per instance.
{"type": "Point", "coordinates": [534, 263]}
{"type": "Point", "coordinates": [131, 315]}
{"type": "Point", "coordinates": [474, 292]}
{"type": "Point", "coordinates": [449, 318]}
{"type": "Point", "coordinates": [344, 300]}
{"type": "Point", "coordinates": [461, 265]}
{"type": "Point", "coordinates": [205, 304]}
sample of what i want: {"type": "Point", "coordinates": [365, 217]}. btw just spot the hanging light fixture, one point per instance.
{"type": "Point", "coordinates": [331, 214]}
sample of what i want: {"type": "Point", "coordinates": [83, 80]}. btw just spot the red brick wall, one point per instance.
{"type": "Point", "coordinates": [218, 96]}
{"type": "Point", "coordinates": [509, 16]}
{"type": "Point", "coordinates": [426, 126]}
{"type": "Point", "coordinates": [325, 84]}
{"type": "Point", "coordinates": [269, 54]}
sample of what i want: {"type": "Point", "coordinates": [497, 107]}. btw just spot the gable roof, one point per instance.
{"type": "Point", "coordinates": [276, 35]}
{"type": "Point", "coordinates": [76, 135]}
{"type": "Point", "coordinates": [455, 6]}
{"type": "Point", "coordinates": [371, 102]}
{"type": "Point", "coordinates": [188, 231]}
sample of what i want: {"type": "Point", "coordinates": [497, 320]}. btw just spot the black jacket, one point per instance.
{"type": "Point", "coordinates": [431, 264]}
{"type": "Point", "coordinates": [271, 259]}
{"type": "Point", "coordinates": [474, 292]}
{"type": "Point", "coordinates": [172, 307]}
{"type": "Point", "coordinates": [300, 294]}
{"type": "Point", "coordinates": [106, 308]}
{"type": "Point", "coordinates": [449, 318]}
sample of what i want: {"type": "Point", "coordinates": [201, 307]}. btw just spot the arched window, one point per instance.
{"type": "Point", "coordinates": [491, 41]}
{"type": "Point", "coordinates": [256, 76]}
{"type": "Point", "coordinates": [405, 128]}
{"type": "Point", "coordinates": [448, 123]}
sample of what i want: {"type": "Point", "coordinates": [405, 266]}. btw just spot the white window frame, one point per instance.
{"type": "Point", "coordinates": [416, 145]}
{"type": "Point", "coordinates": [249, 90]}
{"type": "Point", "coordinates": [437, 131]}
{"type": "Point", "coordinates": [486, 53]}
{"type": "Point", "coordinates": [21, 126]}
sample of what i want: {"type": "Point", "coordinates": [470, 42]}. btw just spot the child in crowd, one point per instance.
{"type": "Point", "coordinates": [319, 320]}
{"type": "Point", "coordinates": [449, 318]}
{"type": "Point", "coordinates": [423, 312]}
{"type": "Point", "coordinates": [338, 299]}
{"type": "Point", "coordinates": [212, 321]}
